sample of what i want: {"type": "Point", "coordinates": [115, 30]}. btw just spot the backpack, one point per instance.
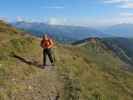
{"type": "Point", "coordinates": [46, 43]}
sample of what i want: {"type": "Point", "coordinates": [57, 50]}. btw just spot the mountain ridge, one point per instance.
{"type": "Point", "coordinates": [120, 46]}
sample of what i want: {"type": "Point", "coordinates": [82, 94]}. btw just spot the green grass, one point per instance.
{"type": "Point", "coordinates": [98, 72]}
{"type": "Point", "coordinates": [88, 72]}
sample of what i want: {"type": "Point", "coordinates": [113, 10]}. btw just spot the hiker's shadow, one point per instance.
{"type": "Point", "coordinates": [34, 63]}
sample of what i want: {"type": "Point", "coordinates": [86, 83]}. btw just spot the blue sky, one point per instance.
{"type": "Point", "coordinates": [73, 12]}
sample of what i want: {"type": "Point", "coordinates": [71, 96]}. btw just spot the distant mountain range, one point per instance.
{"type": "Point", "coordinates": [60, 32]}
{"type": "Point", "coordinates": [121, 30]}
{"type": "Point", "coordinates": [64, 33]}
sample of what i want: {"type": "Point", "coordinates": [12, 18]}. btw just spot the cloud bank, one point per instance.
{"type": "Point", "coordinates": [121, 3]}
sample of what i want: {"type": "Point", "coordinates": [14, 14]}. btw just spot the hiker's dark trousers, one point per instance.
{"type": "Point", "coordinates": [47, 52]}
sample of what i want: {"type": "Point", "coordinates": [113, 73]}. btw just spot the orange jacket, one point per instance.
{"type": "Point", "coordinates": [47, 43]}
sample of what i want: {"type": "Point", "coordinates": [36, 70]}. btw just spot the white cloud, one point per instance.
{"type": "Point", "coordinates": [3, 18]}
{"type": "Point", "coordinates": [57, 21]}
{"type": "Point", "coordinates": [120, 3]}
{"type": "Point", "coordinates": [19, 18]}
{"type": "Point", "coordinates": [121, 17]}
{"type": "Point", "coordinates": [113, 21]}
{"type": "Point", "coordinates": [104, 21]}
{"type": "Point", "coordinates": [53, 7]}
{"type": "Point", "coordinates": [126, 5]}
{"type": "Point", "coordinates": [126, 14]}
{"type": "Point", "coordinates": [115, 1]}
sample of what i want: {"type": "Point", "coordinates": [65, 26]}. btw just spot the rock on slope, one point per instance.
{"type": "Point", "coordinates": [87, 72]}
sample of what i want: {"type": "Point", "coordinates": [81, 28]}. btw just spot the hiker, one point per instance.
{"type": "Point", "coordinates": [47, 45]}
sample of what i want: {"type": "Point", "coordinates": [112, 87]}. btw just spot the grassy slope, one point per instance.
{"type": "Point", "coordinates": [126, 46]}
{"type": "Point", "coordinates": [89, 72]}
{"type": "Point", "coordinates": [98, 74]}
{"type": "Point", "coordinates": [18, 80]}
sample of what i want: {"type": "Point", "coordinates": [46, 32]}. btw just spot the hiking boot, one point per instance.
{"type": "Point", "coordinates": [44, 66]}
{"type": "Point", "coordinates": [53, 64]}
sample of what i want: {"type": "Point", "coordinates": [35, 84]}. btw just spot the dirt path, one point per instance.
{"type": "Point", "coordinates": [44, 85]}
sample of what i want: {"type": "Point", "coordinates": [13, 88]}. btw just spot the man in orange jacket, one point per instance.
{"type": "Point", "coordinates": [47, 45]}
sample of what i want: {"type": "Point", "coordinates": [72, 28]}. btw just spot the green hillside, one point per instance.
{"type": "Point", "coordinates": [120, 47]}
{"type": "Point", "coordinates": [87, 72]}
{"type": "Point", "coordinates": [125, 45]}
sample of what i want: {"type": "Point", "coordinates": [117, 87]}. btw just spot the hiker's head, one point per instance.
{"type": "Point", "coordinates": [45, 36]}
